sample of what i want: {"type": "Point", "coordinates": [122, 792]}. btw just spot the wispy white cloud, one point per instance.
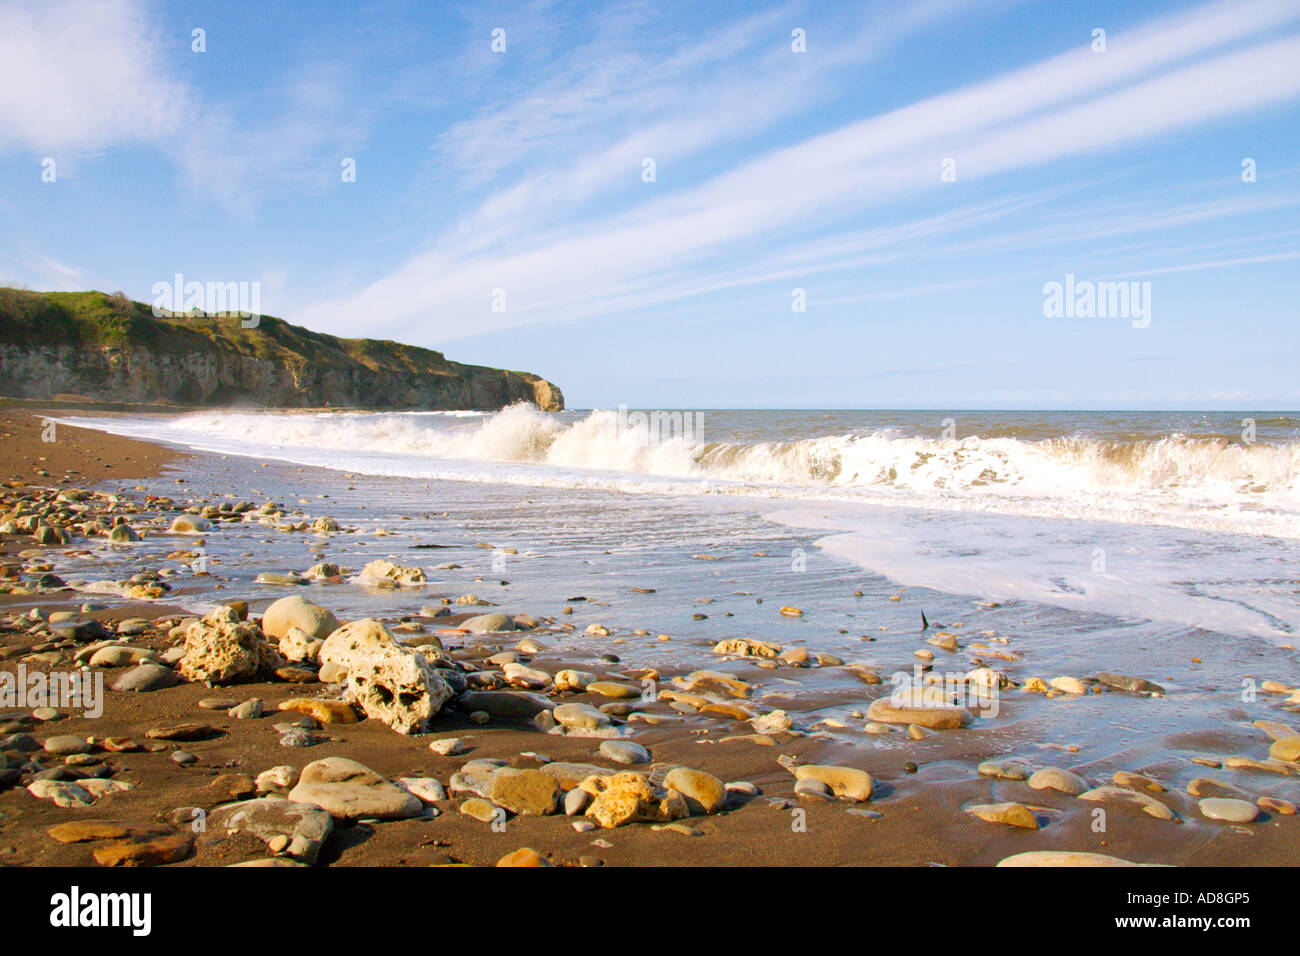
{"type": "Point", "coordinates": [79, 77]}
{"type": "Point", "coordinates": [27, 267]}
{"type": "Point", "coordinates": [1210, 264]}
{"type": "Point", "coordinates": [1155, 80]}
{"type": "Point", "coordinates": [84, 75]}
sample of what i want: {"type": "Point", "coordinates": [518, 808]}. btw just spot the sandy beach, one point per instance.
{"type": "Point", "coordinates": [984, 791]}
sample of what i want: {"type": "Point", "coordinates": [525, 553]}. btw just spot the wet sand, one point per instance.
{"type": "Point", "coordinates": [77, 456]}
{"type": "Point", "coordinates": [913, 818]}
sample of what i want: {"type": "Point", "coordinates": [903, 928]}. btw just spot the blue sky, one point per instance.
{"type": "Point", "coordinates": [775, 170]}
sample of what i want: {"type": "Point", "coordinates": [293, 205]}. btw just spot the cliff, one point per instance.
{"type": "Point", "coordinates": [109, 348]}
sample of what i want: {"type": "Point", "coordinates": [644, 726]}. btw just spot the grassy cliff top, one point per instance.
{"type": "Point", "coordinates": [101, 320]}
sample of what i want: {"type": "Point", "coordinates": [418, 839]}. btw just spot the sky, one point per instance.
{"type": "Point", "coordinates": [686, 205]}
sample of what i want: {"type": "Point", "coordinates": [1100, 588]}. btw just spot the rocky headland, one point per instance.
{"type": "Point", "coordinates": [107, 348]}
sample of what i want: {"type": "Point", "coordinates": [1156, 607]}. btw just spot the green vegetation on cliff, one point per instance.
{"type": "Point", "coordinates": [325, 369]}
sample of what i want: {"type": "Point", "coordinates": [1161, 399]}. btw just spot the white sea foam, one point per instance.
{"type": "Point", "coordinates": [1207, 483]}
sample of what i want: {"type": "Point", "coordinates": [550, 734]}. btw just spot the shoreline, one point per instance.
{"type": "Point", "coordinates": [911, 818]}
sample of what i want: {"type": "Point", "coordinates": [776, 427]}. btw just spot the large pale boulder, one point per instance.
{"type": "Point", "coordinates": [291, 612]}
{"type": "Point", "coordinates": [396, 686]}
{"type": "Point", "coordinates": [222, 649]}
{"type": "Point", "coordinates": [348, 790]}
{"type": "Point", "coordinates": [352, 637]}
{"type": "Point", "coordinates": [390, 683]}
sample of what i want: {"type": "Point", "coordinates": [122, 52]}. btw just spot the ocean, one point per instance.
{"type": "Point", "coordinates": [1189, 517]}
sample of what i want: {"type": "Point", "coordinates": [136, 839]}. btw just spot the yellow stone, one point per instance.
{"type": "Point", "coordinates": [326, 711]}
{"type": "Point", "coordinates": [1012, 814]}
{"type": "Point", "coordinates": [524, 856]}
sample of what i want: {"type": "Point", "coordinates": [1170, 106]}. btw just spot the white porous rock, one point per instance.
{"type": "Point", "coordinates": [298, 646]}
{"type": "Point", "coordinates": [221, 649]}
{"type": "Point", "coordinates": [391, 683]}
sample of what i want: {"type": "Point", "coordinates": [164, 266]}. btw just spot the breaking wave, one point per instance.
{"type": "Point", "coordinates": [1072, 476]}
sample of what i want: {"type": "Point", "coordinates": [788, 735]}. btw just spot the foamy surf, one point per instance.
{"type": "Point", "coordinates": [1207, 482]}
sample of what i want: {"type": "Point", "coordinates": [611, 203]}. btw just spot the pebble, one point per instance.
{"type": "Point", "coordinates": [146, 677]}
{"type": "Point", "coordinates": [1137, 781]}
{"type": "Point", "coordinates": [525, 792]}
{"type": "Point", "coordinates": [189, 730]}
{"type": "Point", "coordinates": [1278, 805]}
{"type": "Point", "coordinates": [156, 852]}
{"type": "Point", "coordinates": [61, 793]}
{"type": "Point", "coordinates": [321, 710]}
{"type": "Point", "coordinates": [624, 752]}
{"type": "Point", "coordinates": [1228, 809]}
{"type": "Point", "coordinates": [1131, 685]}
{"type": "Point", "coordinates": [217, 703]}
{"type": "Point", "coordinates": [479, 809]}
{"type": "Point", "coordinates": [1209, 787]}
{"type": "Point", "coordinates": [1004, 769]}
{"type": "Point", "coordinates": [677, 827]}
{"type": "Point", "coordinates": [1063, 858]}
{"type": "Point", "coordinates": [277, 779]}
{"type": "Point", "coordinates": [813, 789]}
{"type": "Point", "coordinates": [580, 716]}
{"type": "Point", "coordinates": [1054, 778]}
{"type": "Point", "coordinates": [847, 783]}
{"type": "Point", "coordinates": [1068, 685]}
{"type": "Point", "coordinates": [1275, 729]}
{"type": "Point", "coordinates": [249, 710]}
{"type": "Point", "coordinates": [698, 787]}
{"type": "Point", "coordinates": [1012, 814]}
{"type": "Point", "coordinates": [427, 789]}
{"type": "Point", "coordinates": [576, 801]}
{"type": "Point", "coordinates": [1150, 805]}
{"type": "Point", "coordinates": [448, 746]}
{"type": "Point", "coordinates": [66, 744]}
{"type": "Point", "coordinates": [87, 831]}
{"type": "Point", "coordinates": [524, 856]}
{"type": "Point", "coordinates": [1285, 748]}
{"type": "Point", "coordinates": [884, 711]}
{"type": "Point", "coordinates": [298, 737]}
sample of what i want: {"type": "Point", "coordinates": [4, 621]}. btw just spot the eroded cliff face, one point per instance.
{"type": "Point", "coordinates": [108, 348]}
{"type": "Point", "coordinates": [216, 377]}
